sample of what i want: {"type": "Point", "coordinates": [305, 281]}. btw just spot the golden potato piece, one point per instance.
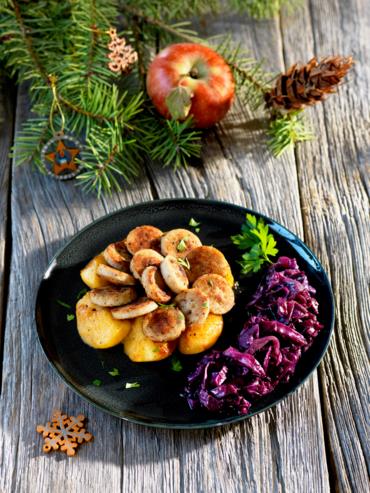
{"type": "Point", "coordinates": [179, 242]}
{"type": "Point", "coordinates": [200, 337]}
{"type": "Point", "coordinates": [112, 296]}
{"type": "Point", "coordinates": [164, 324]}
{"type": "Point", "coordinates": [116, 255]}
{"type": "Point", "coordinates": [142, 259]}
{"type": "Point", "coordinates": [220, 294]}
{"type": "Point", "coordinates": [90, 276]}
{"type": "Point", "coordinates": [97, 327]}
{"type": "Point", "coordinates": [194, 305]}
{"type": "Point", "coordinates": [137, 309]}
{"type": "Point", "coordinates": [115, 276]}
{"type": "Point", "coordinates": [154, 285]}
{"type": "Point", "coordinates": [143, 237]}
{"type": "Point", "coordinates": [207, 260]}
{"type": "Point", "coordinates": [141, 349]}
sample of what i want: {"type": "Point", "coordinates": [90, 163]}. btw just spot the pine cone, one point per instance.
{"type": "Point", "coordinates": [305, 85]}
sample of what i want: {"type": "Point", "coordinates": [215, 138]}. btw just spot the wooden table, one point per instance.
{"type": "Point", "coordinates": [313, 441]}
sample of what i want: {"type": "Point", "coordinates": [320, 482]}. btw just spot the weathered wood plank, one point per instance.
{"type": "Point", "coordinates": [272, 450]}
{"type": "Point", "coordinates": [44, 214]}
{"type": "Point", "coordinates": [333, 178]}
{"type": "Point", "coordinates": [6, 137]}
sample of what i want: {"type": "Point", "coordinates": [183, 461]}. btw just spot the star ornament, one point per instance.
{"type": "Point", "coordinates": [63, 158]}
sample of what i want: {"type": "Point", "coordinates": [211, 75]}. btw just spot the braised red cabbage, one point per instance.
{"type": "Point", "coordinates": [282, 324]}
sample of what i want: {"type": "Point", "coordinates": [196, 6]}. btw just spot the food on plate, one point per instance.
{"type": "Point", "coordinates": [143, 237]}
{"type": "Point", "coordinates": [281, 325]}
{"type": "Point", "coordinates": [97, 327]}
{"type": "Point", "coordinates": [179, 242]}
{"type": "Point", "coordinates": [219, 292]}
{"type": "Point", "coordinates": [116, 255]}
{"type": "Point", "coordinates": [115, 276]}
{"type": "Point", "coordinates": [189, 79]}
{"type": "Point", "coordinates": [207, 260]}
{"type": "Point", "coordinates": [202, 336]}
{"type": "Point", "coordinates": [90, 276]}
{"type": "Point", "coordinates": [165, 324]}
{"type": "Point", "coordinates": [194, 304]}
{"type": "Point", "coordinates": [140, 349]}
{"type": "Point", "coordinates": [112, 296]}
{"type": "Point", "coordinates": [158, 295]}
{"type": "Point", "coordinates": [142, 259]}
{"type": "Point", "coordinates": [154, 285]}
{"type": "Point", "coordinates": [174, 274]}
{"type": "Point", "coordinates": [137, 309]}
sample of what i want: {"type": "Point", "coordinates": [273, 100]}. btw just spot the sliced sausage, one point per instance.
{"type": "Point", "coordinates": [194, 304]}
{"type": "Point", "coordinates": [116, 255]}
{"type": "Point", "coordinates": [143, 237]}
{"type": "Point", "coordinates": [137, 309]}
{"type": "Point", "coordinates": [220, 294]}
{"type": "Point", "coordinates": [174, 274]}
{"type": "Point", "coordinates": [112, 296]}
{"type": "Point", "coordinates": [142, 259]}
{"type": "Point", "coordinates": [115, 276]}
{"type": "Point", "coordinates": [207, 260]}
{"type": "Point", "coordinates": [164, 324]}
{"type": "Point", "coordinates": [179, 242]}
{"type": "Point", "coordinates": [154, 285]}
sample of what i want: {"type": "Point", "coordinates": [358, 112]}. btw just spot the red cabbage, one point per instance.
{"type": "Point", "coordinates": [282, 324]}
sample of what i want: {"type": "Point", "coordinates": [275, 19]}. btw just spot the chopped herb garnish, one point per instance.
{"type": "Point", "coordinates": [176, 364]}
{"type": "Point", "coordinates": [81, 293]}
{"type": "Point", "coordinates": [70, 317]}
{"type": "Point", "coordinates": [181, 316]}
{"type": "Point", "coordinates": [193, 223]}
{"type": "Point", "coordinates": [181, 246]}
{"type": "Point", "coordinates": [161, 305]}
{"type": "Point", "coordinates": [63, 303]}
{"type": "Point", "coordinates": [259, 243]}
{"type": "Point", "coordinates": [210, 282]}
{"type": "Point", "coordinates": [197, 230]}
{"type": "Point", "coordinates": [205, 304]}
{"type": "Point", "coordinates": [184, 262]}
{"type": "Point", "coordinates": [97, 382]}
{"type": "Point", "coordinates": [132, 385]}
{"type": "Point", "coordinates": [157, 349]}
{"type": "Point", "coordinates": [114, 373]}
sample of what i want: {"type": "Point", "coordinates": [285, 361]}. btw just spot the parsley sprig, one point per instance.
{"type": "Point", "coordinates": [259, 243]}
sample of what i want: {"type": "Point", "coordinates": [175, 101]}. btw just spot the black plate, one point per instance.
{"type": "Point", "coordinates": [157, 402]}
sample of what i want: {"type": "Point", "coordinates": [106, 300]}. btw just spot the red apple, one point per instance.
{"type": "Point", "coordinates": [191, 79]}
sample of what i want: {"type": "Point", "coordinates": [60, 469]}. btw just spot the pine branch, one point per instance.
{"type": "Point", "coordinates": [286, 131]}
{"type": "Point", "coordinates": [171, 142]}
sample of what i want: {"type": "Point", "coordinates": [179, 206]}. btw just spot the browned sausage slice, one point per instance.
{"type": "Point", "coordinates": [220, 294]}
{"type": "Point", "coordinates": [154, 285]}
{"type": "Point", "coordinates": [115, 276]}
{"type": "Point", "coordinates": [194, 304]}
{"type": "Point", "coordinates": [137, 309]}
{"type": "Point", "coordinates": [164, 324]}
{"type": "Point", "coordinates": [179, 242]}
{"type": "Point", "coordinates": [112, 296]}
{"type": "Point", "coordinates": [142, 259]}
{"type": "Point", "coordinates": [143, 237]}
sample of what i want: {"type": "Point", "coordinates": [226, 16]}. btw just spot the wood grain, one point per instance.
{"type": "Point", "coordinates": [6, 137]}
{"type": "Point", "coordinates": [333, 174]}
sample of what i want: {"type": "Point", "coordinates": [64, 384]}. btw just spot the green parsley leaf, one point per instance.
{"type": "Point", "coordinates": [63, 303]}
{"type": "Point", "coordinates": [97, 382]}
{"type": "Point", "coordinates": [114, 373]}
{"type": "Point", "coordinates": [181, 246]}
{"type": "Point", "coordinates": [132, 385]}
{"type": "Point", "coordinates": [81, 293]}
{"type": "Point", "coordinates": [259, 243]}
{"type": "Point", "coordinates": [193, 223]}
{"type": "Point", "coordinates": [205, 304]}
{"type": "Point", "coordinates": [176, 364]}
{"type": "Point", "coordinates": [184, 262]}
{"type": "Point", "coordinates": [70, 317]}
{"type": "Point", "coordinates": [197, 230]}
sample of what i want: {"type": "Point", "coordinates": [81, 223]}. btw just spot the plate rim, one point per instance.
{"type": "Point", "coordinates": [211, 423]}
